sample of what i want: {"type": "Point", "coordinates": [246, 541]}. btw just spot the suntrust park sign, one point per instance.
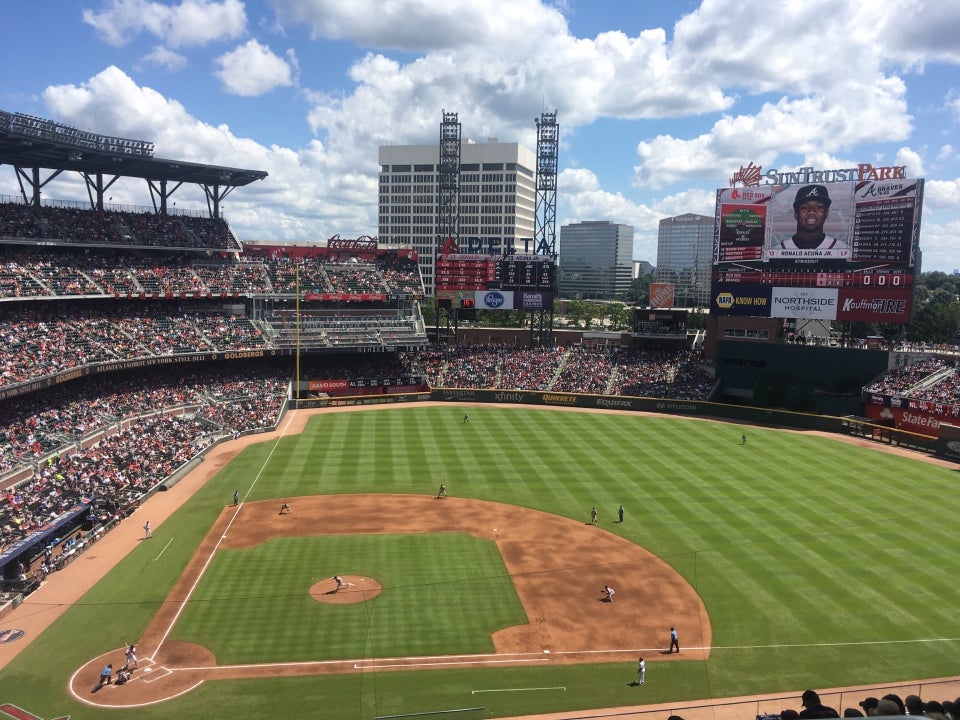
{"type": "Point", "coordinates": [750, 175]}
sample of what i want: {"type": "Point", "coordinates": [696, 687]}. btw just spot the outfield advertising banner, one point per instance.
{"type": "Point", "coordinates": [743, 300]}
{"type": "Point", "coordinates": [532, 300]}
{"type": "Point", "coordinates": [511, 299]}
{"type": "Point", "coordinates": [494, 300]}
{"type": "Point", "coordinates": [875, 305]}
{"type": "Point", "coordinates": [890, 305]}
{"type": "Point", "coordinates": [661, 295]}
{"type": "Point", "coordinates": [807, 303]}
{"type": "Point", "coordinates": [915, 421]}
{"type": "Point", "coordinates": [857, 239]}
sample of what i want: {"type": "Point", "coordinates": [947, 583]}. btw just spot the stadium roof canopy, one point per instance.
{"type": "Point", "coordinates": [36, 143]}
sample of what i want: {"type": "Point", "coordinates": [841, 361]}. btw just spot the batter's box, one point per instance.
{"type": "Point", "coordinates": [158, 673]}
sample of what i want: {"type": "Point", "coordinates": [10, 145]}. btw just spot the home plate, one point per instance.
{"type": "Point", "coordinates": [146, 670]}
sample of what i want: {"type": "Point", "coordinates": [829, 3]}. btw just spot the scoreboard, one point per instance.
{"type": "Point", "coordinates": [526, 272]}
{"type": "Point", "coordinates": [861, 266]}
{"type": "Point", "coordinates": [868, 277]}
{"type": "Point", "coordinates": [496, 282]}
{"type": "Point", "coordinates": [462, 271]}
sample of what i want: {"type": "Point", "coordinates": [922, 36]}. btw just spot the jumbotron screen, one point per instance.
{"type": "Point", "coordinates": [826, 251]}
{"type": "Point", "coordinates": [487, 282]}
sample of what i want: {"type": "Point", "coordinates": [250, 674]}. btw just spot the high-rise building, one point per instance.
{"type": "Point", "coordinates": [685, 258]}
{"type": "Point", "coordinates": [596, 260]}
{"type": "Point", "coordinates": [496, 200]}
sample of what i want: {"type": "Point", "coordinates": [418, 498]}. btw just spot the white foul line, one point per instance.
{"type": "Point", "coordinates": [203, 570]}
{"type": "Point", "coordinates": [164, 549]}
{"type": "Point", "coordinates": [557, 687]}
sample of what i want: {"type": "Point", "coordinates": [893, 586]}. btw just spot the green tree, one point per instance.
{"type": "Point", "coordinates": [621, 317]}
{"type": "Point", "coordinates": [936, 319]}
{"type": "Point", "coordinates": [580, 312]}
{"type": "Point", "coordinates": [600, 312]}
{"type": "Point", "coordinates": [697, 319]}
{"type": "Point", "coordinates": [429, 309]}
{"type": "Point", "coordinates": [639, 292]}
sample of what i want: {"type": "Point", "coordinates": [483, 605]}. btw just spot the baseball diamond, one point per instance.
{"type": "Point", "coordinates": [556, 565]}
{"type": "Point", "coordinates": [546, 553]}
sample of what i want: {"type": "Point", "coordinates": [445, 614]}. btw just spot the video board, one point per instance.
{"type": "Point", "coordinates": [829, 251]}
{"type": "Point", "coordinates": [465, 271]}
{"type": "Point", "coordinates": [526, 272]}
{"type": "Point", "coordinates": [491, 282]}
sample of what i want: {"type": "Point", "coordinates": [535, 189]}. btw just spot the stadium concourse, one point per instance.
{"type": "Point", "coordinates": [56, 595]}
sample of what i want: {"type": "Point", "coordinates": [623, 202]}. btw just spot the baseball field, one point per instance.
{"type": "Point", "coordinates": [786, 562]}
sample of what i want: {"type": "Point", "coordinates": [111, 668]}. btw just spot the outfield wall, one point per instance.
{"type": "Point", "coordinates": [859, 427]}
{"type": "Point", "coordinates": [848, 425]}
{"type": "Point", "coordinates": [699, 408]}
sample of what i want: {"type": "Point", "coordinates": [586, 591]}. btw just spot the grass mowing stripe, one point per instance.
{"type": "Point", "coordinates": [425, 608]}
{"type": "Point", "coordinates": [761, 530]}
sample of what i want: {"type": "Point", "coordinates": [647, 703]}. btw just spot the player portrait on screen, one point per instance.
{"type": "Point", "coordinates": [811, 240]}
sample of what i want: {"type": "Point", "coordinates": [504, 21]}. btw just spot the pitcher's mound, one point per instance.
{"type": "Point", "coordinates": [355, 588]}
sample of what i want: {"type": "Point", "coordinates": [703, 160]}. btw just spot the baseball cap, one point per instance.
{"type": "Point", "coordinates": [812, 192]}
{"type": "Point", "coordinates": [869, 703]}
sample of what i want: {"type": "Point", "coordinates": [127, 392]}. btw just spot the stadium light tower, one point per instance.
{"type": "Point", "coordinates": [448, 210]}
{"type": "Point", "coordinates": [545, 221]}
{"type": "Point", "coordinates": [448, 180]}
{"type": "Point", "coordinates": [545, 230]}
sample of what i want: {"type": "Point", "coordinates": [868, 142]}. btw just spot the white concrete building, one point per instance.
{"type": "Point", "coordinates": [496, 203]}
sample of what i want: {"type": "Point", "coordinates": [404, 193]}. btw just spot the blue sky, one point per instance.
{"type": "Point", "coordinates": [658, 102]}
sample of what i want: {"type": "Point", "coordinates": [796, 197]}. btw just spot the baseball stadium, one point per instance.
{"type": "Point", "coordinates": [248, 480]}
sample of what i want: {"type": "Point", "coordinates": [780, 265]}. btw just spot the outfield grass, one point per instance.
{"type": "Point", "coordinates": [821, 564]}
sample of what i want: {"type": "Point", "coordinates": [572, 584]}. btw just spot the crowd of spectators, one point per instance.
{"type": "Point", "coordinates": [74, 440]}
{"type": "Point", "coordinates": [930, 379]}
{"type": "Point", "coordinates": [40, 342]}
{"type": "Point", "coordinates": [812, 707]}
{"type": "Point", "coordinates": [28, 271]}
{"type": "Point", "coordinates": [642, 373]}
{"type": "Point", "coordinates": [114, 227]}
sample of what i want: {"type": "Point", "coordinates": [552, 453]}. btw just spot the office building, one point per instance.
{"type": "Point", "coordinates": [685, 258]}
{"type": "Point", "coordinates": [596, 260]}
{"type": "Point", "coordinates": [497, 195]}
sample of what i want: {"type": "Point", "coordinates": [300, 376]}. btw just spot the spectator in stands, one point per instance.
{"type": "Point", "coordinates": [813, 708]}
{"type": "Point", "coordinates": [886, 708]}
{"type": "Point", "coordinates": [913, 705]}
{"type": "Point", "coordinates": [868, 704]}
{"type": "Point", "coordinates": [896, 700]}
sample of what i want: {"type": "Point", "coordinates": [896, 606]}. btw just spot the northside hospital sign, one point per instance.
{"type": "Point", "coordinates": [857, 265]}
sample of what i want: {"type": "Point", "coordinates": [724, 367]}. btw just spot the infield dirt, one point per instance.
{"type": "Point", "coordinates": [567, 617]}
